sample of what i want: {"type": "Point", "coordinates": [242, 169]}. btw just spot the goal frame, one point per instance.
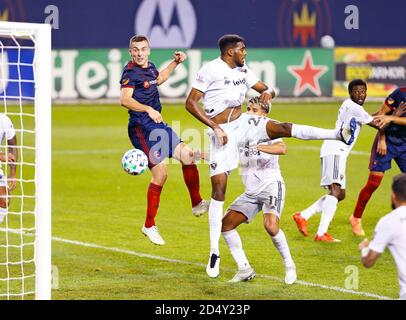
{"type": "Point", "coordinates": [43, 85]}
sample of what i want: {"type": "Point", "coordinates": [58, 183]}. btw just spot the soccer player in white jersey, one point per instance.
{"type": "Point", "coordinates": [223, 83]}
{"type": "Point", "coordinates": [333, 155]}
{"type": "Point", "coordinates": [7, 132]}
{"type": "Point", "coordinates": [264, 190]}
{"type": "Point", "coordinates": [390, 232]}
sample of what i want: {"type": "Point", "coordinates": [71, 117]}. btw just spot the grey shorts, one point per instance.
{"type": "Point", "coordinates": [271, 200]}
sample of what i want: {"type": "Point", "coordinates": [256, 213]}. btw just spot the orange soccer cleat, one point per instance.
{"type": "Point", "coordinates": [301, 223]}
{"type": "Point", "coordinates": [357, 226]}
{"type": "Point", "coordinates": [325, 238]}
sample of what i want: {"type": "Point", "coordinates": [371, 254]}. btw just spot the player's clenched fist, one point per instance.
{"type": "Point", "coordinates": [179, 56]}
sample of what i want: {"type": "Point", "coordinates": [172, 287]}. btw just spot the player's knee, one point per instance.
{"type": "Point", "coordinates": [271, 226]}
{"type": "Point", "coordinates": [341, 195]}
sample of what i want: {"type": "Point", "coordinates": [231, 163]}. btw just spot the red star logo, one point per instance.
{"type": "Point", "coordinates": [307, 75]}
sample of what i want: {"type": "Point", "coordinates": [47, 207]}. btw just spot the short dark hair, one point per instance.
{"type": "Point", "coordinates": [255, 100]}
{"type": "Point", "coordinates": [229, 40]}
{"type": "Point", "coordinates": [356, 82]}
{"type": "Point", "coordinates": [138, 38]}
{"type": "Point", "coordinates": [399, 186]}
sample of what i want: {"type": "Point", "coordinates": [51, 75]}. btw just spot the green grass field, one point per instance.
{"type": "Point", "coordinates": [98, 211]}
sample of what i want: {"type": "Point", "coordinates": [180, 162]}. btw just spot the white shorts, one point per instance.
{"type": "Point", "coordinates": [332, 170]}
{"type": "Point", "coordinates": [3, 182]}
{"type": "Point", "coordinates": [272, 200]}
{"type": "Point", "coordinates": [246, 129]}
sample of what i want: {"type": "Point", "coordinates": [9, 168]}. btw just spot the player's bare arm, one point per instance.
{"type": "Point", "coordinates": [267, 94]}
{"type": "Point", "coordinates": [178, 57]}
{"type": "Point", "coordinates": [127, 101]}
{"type": "Point", "coordinates": [192, 105]}
{"type": "Point", "coordinates": [275, 148]}
{"type": "Point", "coordinates": [368, 256]}
{"type": "Point", "coordinates": [12, 155]}
{"type": "Point", "coordinates": [384, 120]}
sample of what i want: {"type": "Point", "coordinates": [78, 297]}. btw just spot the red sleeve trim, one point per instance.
{"type": "Point", "coordinates": [127, 86]}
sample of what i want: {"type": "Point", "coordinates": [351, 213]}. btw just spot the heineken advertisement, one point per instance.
{"type": "Point", "coordinates": [384, 69]}
{"type": "Point", "coordinates": [95, 73]}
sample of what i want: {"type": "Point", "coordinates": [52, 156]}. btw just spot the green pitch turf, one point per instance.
{"type": "Point", "coordinates": [98, 210]}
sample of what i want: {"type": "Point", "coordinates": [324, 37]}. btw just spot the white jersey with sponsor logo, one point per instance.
{"type": "Point", "coordinates": [7, 132]}
{"type": "Point", "coordinates": [348, 110]}
{"type": "Point", "coordinates": [259, 169]}
{"type": "Point", "coordinates": [391, 232]}
{"type": "Point", "coordinates": [223, 87]}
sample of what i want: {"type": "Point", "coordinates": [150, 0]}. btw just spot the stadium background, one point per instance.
{"type": "Point", "coordinates": [283, 40]}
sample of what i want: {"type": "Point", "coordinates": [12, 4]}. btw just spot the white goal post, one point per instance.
{"type": "Point", "coordinates": [40, 37]}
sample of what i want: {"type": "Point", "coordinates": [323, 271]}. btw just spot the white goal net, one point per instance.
{"type": "Point", "coordinates": [25, 210]}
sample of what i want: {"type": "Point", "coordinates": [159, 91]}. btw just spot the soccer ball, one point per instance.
{"type": "Point", "coordinates": [134, 162]}
{"type": "Point", "coordinates": [327, 41]}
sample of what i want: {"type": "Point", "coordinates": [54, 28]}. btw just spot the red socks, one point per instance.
{"type": "Point", "coordinates": [191, 177]}
{"type": "Point", "coordinates": [372, 184]}
{"type": "Point", "coordinates": [153, 195]}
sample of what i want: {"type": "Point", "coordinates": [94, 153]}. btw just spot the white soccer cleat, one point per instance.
{"type": "Point", "coordinates": [213, 266]}
{"type": "Point", "coordinates": [290, 275]}
{"type": "Point", "coordinates": [201, 208]}
{"type": "Point", "coordinates": [244, 275]}
{"type": "Point", "coordinates": [153, 235]}
{"type": "Point", "coordinates": [347, 131]}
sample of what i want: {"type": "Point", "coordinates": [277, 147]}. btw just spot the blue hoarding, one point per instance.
{"type": "Point", "coordinates": [199, 23]}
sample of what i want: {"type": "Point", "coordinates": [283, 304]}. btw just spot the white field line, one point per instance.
{"type": "Point", "coordinates": [154, 257]}
{"type": "Point", "coordinates": [107, 151]}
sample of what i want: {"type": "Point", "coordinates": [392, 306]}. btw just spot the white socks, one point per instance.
{"type": "Point", "coordinates": [3, 212]}
{"type": "Point", "coordinates": [234, 243]}
{"type": "Point", "coordinates": [215, 216]}
{"type": "Point", "coordinates": [313, 209]}
{"type": "Point", "coordinates": [313, 133]}
{"type": "Point", "coordinates": [281, 245]}
{"type": "Point", "coordinates": [329, 208]}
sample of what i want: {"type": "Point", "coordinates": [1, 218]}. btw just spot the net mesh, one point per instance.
{"type": "Point", "coordinates": [17, 230]}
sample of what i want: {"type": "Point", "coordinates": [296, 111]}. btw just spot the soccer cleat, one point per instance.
{"type": "Point", "coordinates": [347, 131]}
{"type": "Point", "coordinates": [301, 223]}
{"type": "Point", "coordinates": [357, 226]}
{"type": "Point", "coordinates": [325, 238]}
{"type": "Point", "coordinates": [213, 266]}
{"type": "Point", "coordinates": [153, 235]}
{"type": "Point", "coordinates": [290, 274]}
{"type": "Point", "coordinates": [243, 275]}
{"type": "Point", "coordinates": [201, 208]}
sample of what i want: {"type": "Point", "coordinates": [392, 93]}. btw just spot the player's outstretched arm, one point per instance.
{"type": "Point", "coordinates": [13, 156]}
{"type": "Point", "coordinates": [178, 57]}
{"type": "Point", "coordinates": [127, 101]}
{"type": "Point", "coordinates": [275, 148]}
{"type": "Point", "coordinates": [383, 120]}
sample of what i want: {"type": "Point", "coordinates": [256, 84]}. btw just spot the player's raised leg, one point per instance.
{"type": "Point", "coordinates": [231, 221]}
{"type": "Point", "coordinates": [159, 176]}
{"type": "Point", "coordinates": [277, 129]}
{"type": "Point", "coordinates": [271, 224]}
{"type": "Point", "coordinates": [191, 177]}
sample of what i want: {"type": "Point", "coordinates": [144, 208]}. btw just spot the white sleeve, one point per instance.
{"type": "Point", "coordinates": [203, 79]}
{"type": "Point", "coordinates": [252, 79]}
{"type": "Point", "coordinates": [276, 140]}
{"type": "Point", "coordinates": [8, 127]}
{"type": "Point", "coordinates": [382, 237]}
{"type": "Point", "coordinates": [362, 116]}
